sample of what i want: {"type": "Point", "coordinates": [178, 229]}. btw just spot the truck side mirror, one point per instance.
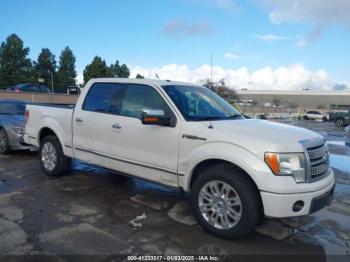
{"type": "Point", "coordinates": [155, 117]}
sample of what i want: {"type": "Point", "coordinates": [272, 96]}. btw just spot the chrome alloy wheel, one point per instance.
{"type": "Point", "coordinates": [220, 205]}
{"type": "Point", "coordinates": [49, 156]}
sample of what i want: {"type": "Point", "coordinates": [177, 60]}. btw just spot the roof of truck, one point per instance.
{"type": "Point", "coordinates": [140, 81]}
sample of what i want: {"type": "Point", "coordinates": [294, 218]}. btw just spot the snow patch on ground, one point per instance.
{"type": "Point", "coordinates": [336, 143]}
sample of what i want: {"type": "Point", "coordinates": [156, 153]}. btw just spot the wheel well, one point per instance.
{"type": "Point", "coordinates": [210, 162]}
{"type": "Point", "coordinates": [46, 132]}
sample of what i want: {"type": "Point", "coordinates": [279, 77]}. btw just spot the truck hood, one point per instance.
{"type": "Point", "coordinates": [259, 136]}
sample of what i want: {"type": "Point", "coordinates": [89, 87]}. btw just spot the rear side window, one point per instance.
{"type": "Point", "coordinates": [140, 97]}
{"type": "Point", "coordinates": [31, 88]}
{"type": "Point", "coordinates": [104, 98]}
{"type": "Point", "coordinates": [44, 89]}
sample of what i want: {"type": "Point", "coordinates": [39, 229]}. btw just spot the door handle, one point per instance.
{"type": "Point", "coordinates": [116, 126]}
{"type": "Point", "coordinates": [79, 120]}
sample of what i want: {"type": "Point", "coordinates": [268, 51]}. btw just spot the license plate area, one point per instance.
{"type": "Point", "coordinates": [324, 200]}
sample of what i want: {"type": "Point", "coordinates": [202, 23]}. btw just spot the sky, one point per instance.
{"type": "Point", "coordinates": [255, 44]}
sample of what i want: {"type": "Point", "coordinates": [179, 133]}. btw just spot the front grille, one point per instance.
{"type": "Point", "coordinates": [319, 161]}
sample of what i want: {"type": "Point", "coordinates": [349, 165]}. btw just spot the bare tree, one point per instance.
{"type": "Point", "coordinates": [220, 88]}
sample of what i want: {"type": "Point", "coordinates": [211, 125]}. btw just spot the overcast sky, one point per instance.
{"type": "Point", "coordinates": [256, 44]}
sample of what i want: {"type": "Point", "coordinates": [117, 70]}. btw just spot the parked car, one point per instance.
{"type": "Point", "coordinates": [315, 115]}
{"type": "Point", "coordinates": [73, 90]}
{"type": "Point", "coordinates": [185, 136]}
{"type": "Point", "coordinates": [12, 126]}
{"type": "Point", "coordinates": [340, 118]}
{"type": "Point", "coordinates": [32, 88]}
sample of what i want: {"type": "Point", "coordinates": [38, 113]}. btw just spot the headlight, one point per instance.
{"type": "Point", "coordinates": [19, 130]}
{"type": "Point", "coordinates": [283, 164]}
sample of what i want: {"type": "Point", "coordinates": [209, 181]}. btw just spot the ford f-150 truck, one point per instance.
{"type": "Point", "coordinates": [184, 136]}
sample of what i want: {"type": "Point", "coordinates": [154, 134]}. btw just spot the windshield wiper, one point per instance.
{"type": "Point", "coordinates": [235, 116]}
{"type": "Point", "coordinates": [208, 118]}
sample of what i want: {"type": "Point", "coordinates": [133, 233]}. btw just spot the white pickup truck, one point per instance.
{"type": "Point", "coordinates": [184, 136]}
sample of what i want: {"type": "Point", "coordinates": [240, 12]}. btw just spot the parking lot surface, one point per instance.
{"type": "Point", "coordinates": [92, 211]}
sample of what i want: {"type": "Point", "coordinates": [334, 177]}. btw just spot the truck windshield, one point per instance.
{"type": "Point", "coordinates": [200, 104]}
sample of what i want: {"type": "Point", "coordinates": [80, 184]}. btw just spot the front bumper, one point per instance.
{"type": "Point", "coordinates": [281, 205]}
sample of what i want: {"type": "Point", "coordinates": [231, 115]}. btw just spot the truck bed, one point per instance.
{"type": "Point", "coordinates": [57, 117]}
{"type": "Point", "coordinates": [68, 106]}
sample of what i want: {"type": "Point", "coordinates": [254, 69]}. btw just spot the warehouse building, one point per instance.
{"type": "Point", "coordinates": [298, 98]}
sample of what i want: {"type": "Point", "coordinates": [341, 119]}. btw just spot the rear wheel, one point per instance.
{"type": "Point", "coordinates": [305, 117]}
{"type": "Point", "coordinates": [225, 202]}
{"type": "Point", "coordinates": [52, 159]}
{"type": "Point", "coordinates": [4, 142]}
{"type": "Point", "coordinates": [339, 122]}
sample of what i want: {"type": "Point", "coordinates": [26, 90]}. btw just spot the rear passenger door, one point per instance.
{"type": "Point", "coordinates": [93, 122]}
{"type": "Point", "coordinates": [146, 151]}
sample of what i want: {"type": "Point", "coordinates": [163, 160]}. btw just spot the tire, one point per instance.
{"type": "Point", "coordinates": [4, 142]}
{"type": "Point", "coordinates": [305, 117]}
{"type": "Point", "coordinates": [324, 119]}
{"type": "Point", "coordinates": [339, 122]}
{"type": "Point", "coordinates": [52, 159]}
{"type": "Point", "coordinates": [250, 210]}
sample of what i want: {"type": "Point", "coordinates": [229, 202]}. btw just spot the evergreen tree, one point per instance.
{"type": "Point", "coordinates": [45, 66]}
{"type": "Point", "coordinates": [140, 76]}
{"type": "Point", "coordinates": [96, 69]}
{"type": "Point", "coordinates": [15, 66]}
{"type": "Point", "coordinates": [66, 73]}
{"type": "Point", "coordinates": [121, 71]}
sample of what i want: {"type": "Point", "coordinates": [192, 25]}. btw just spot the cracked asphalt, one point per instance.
{"type": "Point", "coordinates": [89, 212]}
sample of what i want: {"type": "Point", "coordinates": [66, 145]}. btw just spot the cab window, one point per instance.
{"type": "Point", "coordinates": [104, 98]}
{"type": "Point", "coordinates": [140, 97]}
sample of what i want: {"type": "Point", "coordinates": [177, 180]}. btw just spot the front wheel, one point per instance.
{"type": "Point", "coordinates": [52, 159]}
{"type": "Point", "coordinates": [225, 202]}
{"type": "Point", "coordinates": [4, 142]}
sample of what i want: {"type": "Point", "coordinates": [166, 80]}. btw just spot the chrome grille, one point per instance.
{"type": "Point", "coordinates": [319, 161]}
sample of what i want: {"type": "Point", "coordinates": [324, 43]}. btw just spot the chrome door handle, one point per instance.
{"type": "Point", "coordinates": [116, 126]}
{"type": "Point", "coordinates": [79, 120]}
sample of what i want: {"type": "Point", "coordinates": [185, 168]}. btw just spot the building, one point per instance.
{"type": "Point", "coordinates": [299, 98]}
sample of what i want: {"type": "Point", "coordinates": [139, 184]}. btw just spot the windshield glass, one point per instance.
{"type": "Point", "coordinates": [200, 104]}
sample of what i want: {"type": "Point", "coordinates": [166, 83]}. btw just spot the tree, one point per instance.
{"type": "Point", "coordinates": [66, 73]}
{"type": "Point", "coordinates": [121, 71]}
{"type": "Point", "coordinates": [97, 68]}
{"type": "Point", "coordinates": [220, 88]}
{"type": "Point", "coordinates": [45, 66]}
{"type": "Point", "coordinates": [208, 84]}
{"type": "Point", "coordinates": [140, 76]}
{"type": "Point", "coordinates": [15, 66]}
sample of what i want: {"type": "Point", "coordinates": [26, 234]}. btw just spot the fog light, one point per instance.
{"type": "Point", "coordinates": [298, 206]}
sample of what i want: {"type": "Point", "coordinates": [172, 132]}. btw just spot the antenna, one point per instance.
{"type": "Point", "coordinates": [211, 68]}
{"type": "Point", "coordinates": [211, 81]}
